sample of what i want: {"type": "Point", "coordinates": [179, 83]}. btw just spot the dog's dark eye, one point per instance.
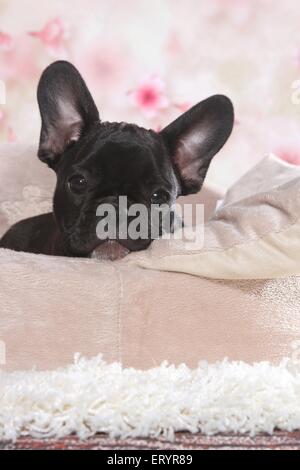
{"type": "Point", "coordinates": [77, 184]}
{"type": "Point", "coordinates": [160, 197]}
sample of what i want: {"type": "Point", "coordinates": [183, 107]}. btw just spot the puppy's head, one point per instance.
{"type": "Point", "coordinates": [97, 162]}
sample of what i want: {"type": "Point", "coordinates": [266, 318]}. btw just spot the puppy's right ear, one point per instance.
{"type": "Point", "coordinates": [67, 110]}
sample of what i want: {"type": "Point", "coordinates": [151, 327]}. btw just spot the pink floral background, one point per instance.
{"type": "Point", "coordinates": [147, 61]}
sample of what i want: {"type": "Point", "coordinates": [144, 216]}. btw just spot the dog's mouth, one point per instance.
{"type": "Point", "coordinates": [110, 250]}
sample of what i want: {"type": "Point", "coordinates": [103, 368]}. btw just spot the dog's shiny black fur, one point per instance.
{"type": "Point", "coordinates": [111, 159]}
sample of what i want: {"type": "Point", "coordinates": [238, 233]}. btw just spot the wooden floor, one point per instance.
{"type": "Point", "coordinates": [183, 441]}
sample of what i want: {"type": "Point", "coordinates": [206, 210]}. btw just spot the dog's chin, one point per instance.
{"type": "Point", "coordinates": [110, 250]}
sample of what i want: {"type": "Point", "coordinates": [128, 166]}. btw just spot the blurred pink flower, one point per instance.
{"type": "Point", "coordinates": [11, 136]}
{"type": "Point", "coordinates": [289, 154]}
{"type": "Point", "coordinates": [18, 63]}
{"type": "Point", "coordinates": [103, 64]}
{"type": "Point", "coordinates": [6, 41]}
{"type": "Point", "coordinates": [149, 96]}
{"type": "Point", "coordinates": [8, 132]}
{"type": "Point", "coordinates": [183, 107]}
{"type": "Point", "coordinates": [53, 35]}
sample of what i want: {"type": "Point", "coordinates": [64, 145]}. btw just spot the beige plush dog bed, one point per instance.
{"type": "Point", "coordinates": [53, 307]}
{"type": "Point", "coordinates": [153, 307]}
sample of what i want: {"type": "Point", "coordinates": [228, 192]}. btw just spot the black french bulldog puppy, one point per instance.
{"type": "Point", "coordinates": [95, 162]}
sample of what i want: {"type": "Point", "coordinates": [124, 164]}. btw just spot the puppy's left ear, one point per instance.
{"type": "Point", "coordinates": [67, 110]}
{"type": "Point", "coordinates": [195, 137]}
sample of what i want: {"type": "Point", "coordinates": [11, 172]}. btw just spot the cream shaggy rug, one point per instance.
{"type": "Point", "coordinates": [91, 396]}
